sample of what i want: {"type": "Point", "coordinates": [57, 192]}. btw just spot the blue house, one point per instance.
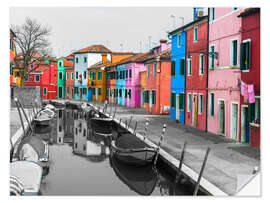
{"type": "Point", "coordinates": [120, 84]}
{"type": "Point", "coordinates": [178, 74]}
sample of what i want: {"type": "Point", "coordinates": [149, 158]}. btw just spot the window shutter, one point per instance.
{"type": "Point", "coordinates": [248, 44]}
{"type": "Point", "coordinates": [251, 112]}
{"type": "Point", "coordinates": [242, 56]}
{"type": "Point", "coordinates": [182, 66]}
{"type": "Point", "coordinates": [173, 68]}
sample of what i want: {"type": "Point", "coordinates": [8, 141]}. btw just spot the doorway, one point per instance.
{"type": "Point", "coordinates": [177, 113]}
{"type": "Point", "coordinates": [80, 93]}
{"type": "Point", "coordinates": [244, 124]}
{"type": "Point", "coordinates": [234, 121]}
{"type": "Point", "coordinates": [97, 94]}
{"type": "Point", "coordinates": [60, 90]}
{"type": "Point", "coordinates": [221, 117]}
{"type": "Point", "coordinates": [194, 110]}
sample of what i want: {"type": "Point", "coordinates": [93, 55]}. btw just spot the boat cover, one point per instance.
{"type": "Point", "coordinates": [129, 141]}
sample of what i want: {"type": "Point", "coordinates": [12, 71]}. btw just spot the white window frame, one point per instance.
{"type": "Point", "coordinates": [189, 102]}
{"type": "Point", "coordinates": [231, 51]}
{"type": "Point", "coordinates": [238, 116]}
{"type": "Point", "coordinates": [201, 63]}
{"type": "Point", "coordinates": [179, 41]}
{"type": "Point", "coordinates": [244, 41]}
{"type": "Point", "coordinates": [45, 88]}
{"type": "Point", "coordinates": [195, 28]}
{"type": "Point", "coordinates": [210, 104]}
{"type": "Point", "coordinates": [36, 78]}
{"type": "Point", "coordinates": [200, 112]}
{"type": "Point", "coordinates": [189, 66]}
{"type": "Point", "coordinates": [210, 61]}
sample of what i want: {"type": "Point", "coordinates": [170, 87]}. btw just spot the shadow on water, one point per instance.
{"type": "Point", "coordinates": [81, 163]}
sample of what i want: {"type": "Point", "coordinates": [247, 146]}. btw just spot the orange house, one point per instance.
{"type": "Point", "coordinates": [143, 85]}
{"type": "Point", "coordinates": [157, 93]}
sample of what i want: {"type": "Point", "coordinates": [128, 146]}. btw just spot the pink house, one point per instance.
{"type": "Point", "coordinates": [224, 72]}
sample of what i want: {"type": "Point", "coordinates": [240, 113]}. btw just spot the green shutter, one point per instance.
{"type": "Point", "coordinates": [182, 66]}
{"type": "Point", "coordinates": [181, 101]}
{"type": "Point", "coordinates": [251, 112]}
{"type": "Point", "coordinates": [248, 54]}
{"type": "Point", "coordinates": [173, 100]}
{"type": "Point", "coordinates": [153, 97]}
{"type": "Point", "coordinates": [242, 56]}
{"type": "Point", "coordinates": [173, 68]}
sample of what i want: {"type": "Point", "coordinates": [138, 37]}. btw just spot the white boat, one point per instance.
{"type": "Point", "coordinates": [50, 106]}
{"type": "Point", "coordinates": [29, 173]}
{"type": "Point", "coordinates": [16, 187]}
{"type": "Point", "coordinates": [49, 112]}
{"type": "Point", "coordinates": [42, 118]}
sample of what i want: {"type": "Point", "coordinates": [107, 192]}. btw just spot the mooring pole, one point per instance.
{"type": "Point", "coordinates": [18, 108]}
{"type": "Point", "coordinates": [135, 128]}
{"type": "Point", "coordinates": [159, 143]}
{"type": "Point", "coordinates": [110, 110]}
{"type": "Point", "coordinates": [201, 172]}
{"type": "Point", "coordinates": [120, 121]}
{"type": "Point", "coordinates": [25, 114]}
{"type": "Point", "coordinates": [114, 112]}
{"type": "Point", "coordinates": [146, 128]}
{"type": "Point", "coordinates": [126, 123]}
{"type": "Point", "coordinates": [180, 163]}
{"type": "Point", "coordinates": [129, 121]}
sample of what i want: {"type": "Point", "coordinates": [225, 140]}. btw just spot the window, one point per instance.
{"type": "Point", "coordinates": [107, 92]}
{"type": "Point", "coordinates": [45, 91]}
{"type": "Point", "coordinates": [85, 59]}
{"type": "Point", "coordinates": [173, 99]}
{"type": "Point", "coordinates": [31, 66]}
{"type": "Point", "coordinates": [93, 91]}
{"type": "Point", "coordinates": [77, 60]}
{"type": "Point", "coordinates": [153, 96]}
{"type": "Point", "coordinates": [99, 91]}
{"type": "Point", "coordinates": [67, 76]}
{"type": "Point", "coordinates": [60, 76]}
{"type": "Point", "coordinates": [116, 94]}
{"type": "Point", "coordinates": [76, 145]}
{"type": "Point", "coordinates": [68, 90]}
{"type": "Point", "coordinates": [94, 75]}
{"type": "Point", "coordinates": [99, 75]}
{"type": "Point", "coordinates": [212, 104]}
{"type": "Point", "coordinates": [129, 93]}
{"type": "Point", "coordinates": [179, 40]}
{"type": "Point", "coordinates": [201, 65]}
{"type": "Point", "coordinates": [146, 97]}
{"type": "Point", "coordinates": [59, 138]}
{"type": "Point", "coordinates": [77, 75]}
{"type": "Point", "coordinates": [189, 103]}
{"type": "Point", "coordinates": [182, 66]}
{"type": "Point", "coordinates": [181, 101]}
{"type": "Point", "coordinates": [60, 113]}
{"type": "Point", "coordinates": [257, 110]}
{"type": "Point", "coordinates": [245, 55]}
{"type": "Point", "coordinates": [234, 52]}
{"type": "Point", "coordinates": [125, 93]}
{"type": "Point", "coordinates": [72, 76]}
{"type": "Point", "coordinates": [200, 104]}
{"type": "Point", "coordinates": [172, 68]}
{"type": "Point", "coordinates": [130, 73]}
{"type": "Point", "coordinates": [148, 70]}
{"type": "Point", "coordinates": [76, 90]}
{"type": "Point", "coordinates": [234, 9]}
{"type": "Point", "coordinates": [195, 34]}
{"type": "Point", "coordinates": [190, 66]}
{"type": "Point", "coordinates": [126, 73]}
{"type": "Point", "coordinates": [212, 59]}
{"type": "Point", "coordinates": [60, 64]}
{"type": "Point", "coordinates": [84, 132]}
{"type": "Point", "coordinates": [84, 147]}
{"type": "Point", "coordinates": [84, 74]}
{"type": "Point", "coordinates": [154, 70]}
{"type": "Point", "coordinates": [212, 14]}
{"type": "Point", "coordinates": [37, 78]}
{"type": "Point", "coordinates": [60, 128]}
{"type": "Point", "coordinates": [26, 78]}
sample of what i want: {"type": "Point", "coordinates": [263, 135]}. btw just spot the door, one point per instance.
{"type": "Point", "coordinates": [177, 111]}
{"type": "Point", "coordinates": [221, 117]}
{"type": "Point", "coordinates": [244, 125]}
{"type": "Point", "coordinates": [80, 93]}
{"type": "Point", "coordinates": [60, 90]}
{"type": "Point", "coordinates": [97, 94]}
{"type": "Point", "coordinates": [150, 101]}
{"type": "Point", "coordinates": [90, 94]}
{"type": "Point", "coordinates": [234, 121]}
{"type": "Point", "coordinates": [142, 98]}
{"type": "Point", "coordinates": [194, 110]}
{"type": "Point", "coordinates": [72, 93]}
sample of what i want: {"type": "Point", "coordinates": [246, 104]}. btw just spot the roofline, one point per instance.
{"type": "Point", "coordinates": [12, 32]}
{"type": "Point", "coordinates": [123, 53]}
{"type": "Point", "coordinates": [182, 28]}
{"type": "Point", "coordinates": [91, 52]}
{"type": "Point", "coordinates": [249, 12]}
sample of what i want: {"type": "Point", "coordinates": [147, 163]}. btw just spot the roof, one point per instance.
{"type": "Point", "coordinates": [248, 11]}
{"type": "Point", "coordinates": [69, 57]}
{"type": "Point", "coordinates": [123, 53]}
{"type": "Point", "coordinates": [67, 63]}
{"type": "Point", "coordinates": [99, 65]}
{"type": "Point", "coordinates": [187, 25]}
{"type": "Point", "coordinates": [12, 32]}
{"type": "Point", "coordinates": [166, 54]}
{"type": "Point", "coordinates": [94, 49]}
{"type": "Point", "coordinates": [136, 58]}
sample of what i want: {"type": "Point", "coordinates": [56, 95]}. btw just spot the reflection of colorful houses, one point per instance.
{"type": "Point", "coordinates": [224, 72]}
{"type": "Point", "coordinates": [158, 71]}
{"type": "Point", "coordinates": [250, 74]}
{"type": "Point", "coordinates": [85, 58]}
{"type": "Point", "coordinates": [196, 77]}
{"type": "Point", "coordinates": [60, 126]}
{"type": "Point", "coordinates": [69, 125]}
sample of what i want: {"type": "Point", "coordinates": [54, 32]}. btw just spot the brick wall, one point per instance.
{"type": "Point", "coordinates": [26, 95]}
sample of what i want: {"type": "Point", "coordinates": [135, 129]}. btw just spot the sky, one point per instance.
{"type": "Point", "coordinates": [74, 28]}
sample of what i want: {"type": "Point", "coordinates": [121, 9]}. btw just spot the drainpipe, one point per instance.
{"type": "Point", "coordinates": [207, 64]}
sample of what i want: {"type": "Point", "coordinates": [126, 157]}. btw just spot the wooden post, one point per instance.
{"type": "Point", "coordinates": [18, 108]}
{"type": "Point", "coordinates": [159, 143]}
{"type": "Point", "coordinates": [114, 112]}
{"type": "Point", "coordinates": [135, 128]}
{"type": "Point", "coordinates": [110, 110]}
{"type": "Point", "coordinates": [201, 172]}
{"type": "Point", "coordinates": [25, 114]}
{"type": "Point", "coordinates": [146, 128]}
{"type": "Point", "coordinates": [129, 121]}
{"type": "Point", "coordinates": [178, 173]}
{"type": "Point", "coordinates": [126, 123]}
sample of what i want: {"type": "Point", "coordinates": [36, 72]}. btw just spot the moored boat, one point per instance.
{"type": "Point", "coordinates": [101, 126]}
{"type": "Point", "coordinates": [42, 118]}
{"type": "Point", "coordinates": [132, 151]}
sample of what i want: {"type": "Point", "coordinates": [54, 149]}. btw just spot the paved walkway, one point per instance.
{"type": "Point", "coordinates": [227, 158]}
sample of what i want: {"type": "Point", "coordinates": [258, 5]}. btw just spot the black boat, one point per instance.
{"type": "Point", "coordinates": [132, 151]}
{"type": "Point", "coordinates": [142, 180]}
{"type": "Point", "coordinates": [102, 126]}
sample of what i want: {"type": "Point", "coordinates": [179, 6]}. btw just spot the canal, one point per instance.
{"type": "Point", "coordinates": [81, 164]}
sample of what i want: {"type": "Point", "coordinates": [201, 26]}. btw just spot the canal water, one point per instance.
{"type": "Point", "coordinates": [81, 164]}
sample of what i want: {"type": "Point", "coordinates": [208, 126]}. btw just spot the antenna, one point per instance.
{"type": "Point", "coordinates": [121, 45]}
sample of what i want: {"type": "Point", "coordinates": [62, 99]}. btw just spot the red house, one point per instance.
{"type": "Point", "coordinates": [196, 73]}
{"type": "Point", "coordinates": [250, 74]}
{"type": "Point", "coordinates": [44, 76]}
{"type": "Point", "coordinates": [69, 82]}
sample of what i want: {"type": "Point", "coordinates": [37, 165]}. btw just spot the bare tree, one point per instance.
{"type": "Point", "coordinates": [33, 44]}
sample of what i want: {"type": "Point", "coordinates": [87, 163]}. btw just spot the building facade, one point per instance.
{"type": "Point", "coordinates": [69, 83]}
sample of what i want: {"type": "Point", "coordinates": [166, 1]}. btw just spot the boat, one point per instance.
{"type": "Point", "coordinates": [132, 151]}
{"type": "Point", "coordinates": [42, 118]}
{"type": "Point", "coordinates": [32, 148]}
{"type": "Point", "coordinates": [56, 104]}
{"type": "Point", "coordinates": [30, 175]}
{"type": "Point", "coordinates": [142, 180]}
{"type": "Point", "coordinates": [49, 112]}
{"type": "Point", "coordinates": [101, 126]}
{"type": "Point", "coordinates": [15, 186]}
{"type": "Point", "coordinates": [50, 106]}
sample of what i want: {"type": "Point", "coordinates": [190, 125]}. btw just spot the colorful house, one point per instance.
{"type": "Point", "coordinates": [196, 73]}
{"type": "Point", "coordinates": [224, 72]}
{"type": "Point", "coordinates": [121, 92]}
{"type": "Point", "coordinates": [158, 71]}
{"type": "Point", "coordinates": [85, 58]}
{"type": "Point", "coordinates": [15, 76]}
{"type": "Point", "coordinates": [62, 65]}
{"type": "Point", "coordinates": [69, 82]}
{"type": "Point", "coordinates": [250, 74]}
{"type": "Point", "coordinates": [178, 74]}
{"type": "Point", "coordinates": [143, 86]}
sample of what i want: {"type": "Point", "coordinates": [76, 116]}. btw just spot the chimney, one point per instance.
{"type": "Point", "coordinates": [163, 44]}
{"type": "Point", "coordinates": [197, 12]}
{"type": "Point", "coordinates": [163, 41]}
{"type": "Point", "coordinates": [104, 58]}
